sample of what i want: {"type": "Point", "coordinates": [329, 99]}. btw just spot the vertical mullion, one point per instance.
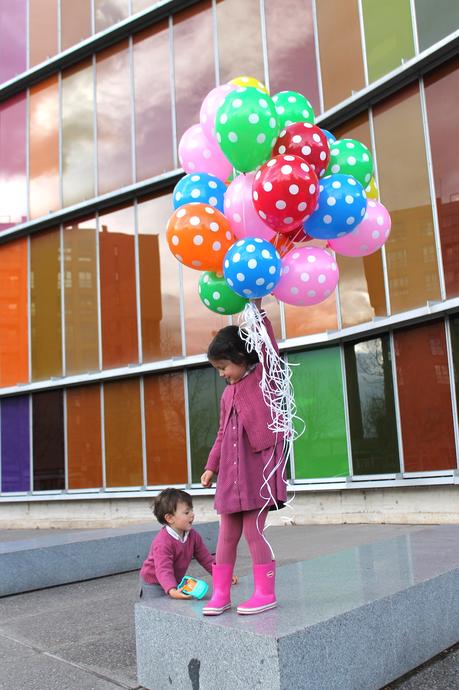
{"type": "Point", "coordinates": [66, 456]}
{"type": "Point", "coordinates": [137, 284]}
{"type": "Point", "coordinates": [102, 436]}
{"type": "Point", "coordinates": [362, 41]}
{"type": "Point", "coordinates": [99, 303]}
{"type": "Point", "coordinates": [94, 121]}
{"type": "Point", "coordinates": [317, 53]}
{"type": "Point", "coordinates": [339, 318]}
{"type": "Point", "coordinates": [414, 26]}
{"type": "Point", "coordinates": [172, 87]}
{"type": "Point", "coordinates": [143, 432]}
{"type": "Point", "coordinates": [93, 17]}
{"type": "Point", "coordinates": [182, 310]}
{"type": "Point", "coordinates": [132, 100]}
{"type": "Point", "coordinates": [215, 43]}
{"type": "Point", "coordinates": [264, 43]}
{"type": "Point", "coordinates": [30, 443]}
{"type": "Point", "coordinates": [62, 283]}
{"type": "Point", "coordinates": [291, 454]}
{"type": "Point", "coordinates": [452, 383]}
{"type": "Point", "coordinates": [396, 402]}
{"type": "Point", "coordinates": [27, 147]}
{"type": "Point", "coordinates": [187, 429]}
{"type": "Point", "coordinates": [347, 424]}
{"type": "Point", "coordinates": [60, 125]}
{"type": "Point", "coordinates": [29, 307]}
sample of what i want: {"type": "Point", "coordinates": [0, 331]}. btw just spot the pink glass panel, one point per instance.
{"type": "Point", "coordinates": [239, 39]}
{"type": "Point", "coordinates": [13, 38]}
{"type": "Point", "coordinates": [42, 30]}
{"type": "Point", "coordinates": [13, 196]}
{"type": "Point", "coordinates": [109, 12]}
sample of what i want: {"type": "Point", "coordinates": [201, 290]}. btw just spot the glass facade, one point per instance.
{"type": "Point", "coordinates": [103, 378]}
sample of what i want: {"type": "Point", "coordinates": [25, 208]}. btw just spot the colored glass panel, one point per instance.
{"type": "Point", "coordinates": [84, 446]}
{"type": "Point", "coordinates": [75, 22]}
{"type": "Point", "coordinates": [386, 46]}
{"type": "Point", "coordinates": [239, 24]}
{"type": "Point", "coordinates": [153, 116]}
{"type": "Point", "coordinates": [42, 30]}
{"type": "Point", "coordinates": [193, 62]}
{"type": "Point", "coordinates": [14, 361]}
{"type": "Point", "coordinates": [370, 395]}
{"type": "Point", "coordinates": [123, 436]}
{"type": "Point", "coordinates": [165, 429]}
{"type": "Point", "coordinates": [410, 250]}
{"type": "Point", "coordinates": [13, 38]}
{"type": "Point", "coordinates": [15, 444]}
{"type": "Point", "coordinates": [295, 57]}
{"type": "Point", "coordinates": [109, 12]}
{"type": "Point", "coordinates": [78, 134]}
{"type": "Point", "coordinates": [45, 305]}
{"type": "Point", "coordinates": [13, 163]}
{"type": "Point", "coordinates": [442, 98]}
{"type": "Point", "coordinates": [425, 398]}
{"type": "Point", "coordinates": [201, 324]}
{"type": "Point", "coordinates": [341, 60]}
{"type": "Point", "coordinates": [454, 327]}
{"type": "Point", "coordinates": [44, 148]}
{"type": "Point", "coordinates": [322, 450]}
{"type": "Point", "coordinates": [80, 297]}
{"type": "Point", "coordinates": [48, 441]}
{"type": "Point", "coordinates": [139, 5]}
{"type": "Point", "coordinates": [117, 288]}
{"type": "Point", "coordinates": [205, 388]}
{"type": "Point", "coordinates": [114, 154]}
{"type": "Point", "coordinates": [435, 20]}
{"type": "Point", "coordinates": [159, 282]}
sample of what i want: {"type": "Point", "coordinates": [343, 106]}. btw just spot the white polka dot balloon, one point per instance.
{"type": "Point", "coordinates": [309, 276]}
{"type": "Point", "coordinates": [368, 236]}
{"type": "Point", "coordinates": [252, 267]}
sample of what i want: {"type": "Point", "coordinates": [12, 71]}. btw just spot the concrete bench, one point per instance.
{"type": "Point", "coordinates": [353, 620]}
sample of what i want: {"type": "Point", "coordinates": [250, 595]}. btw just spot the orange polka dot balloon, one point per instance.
{"type": "Point", "coordinates": [199, 236]}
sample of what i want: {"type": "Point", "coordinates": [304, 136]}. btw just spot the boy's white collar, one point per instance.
{"type": "Point", "coordinates": [174, 534]}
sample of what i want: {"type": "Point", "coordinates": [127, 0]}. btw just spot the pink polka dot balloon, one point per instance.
{"type": "Point", "coordinates": [309, 276]}
{"type": "Point", "coordinates": [240, 211]}
{"type": "Point", "coordinates": [210, 105]}
{"type": "Point", "coordinates": [201, 153]}
{"type": "Point", "coordinates": [368, 236]}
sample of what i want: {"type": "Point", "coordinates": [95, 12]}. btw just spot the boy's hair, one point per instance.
{"type": "Point", "coordinates": [228, 344]}
{"type": "Point", "coordinates": [167, 501]}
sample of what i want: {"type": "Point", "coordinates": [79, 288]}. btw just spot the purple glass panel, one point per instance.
{"type": "Point", "coordinates": [13, 37]}
{"type": "Point", "coordinates": [15, 444]}
{"type": "Point", "coordinates": [13, 196]}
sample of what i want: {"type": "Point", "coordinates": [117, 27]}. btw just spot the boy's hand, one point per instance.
{"type": "Point", "coordinates": [176, 594]}
{"type": "Point", "coordinates": [234, 580]}
{"type": "Point", "coordinates": [207, 479]}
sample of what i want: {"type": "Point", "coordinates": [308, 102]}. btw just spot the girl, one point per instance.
{"type": "Point", "coordinates": [243, 447]}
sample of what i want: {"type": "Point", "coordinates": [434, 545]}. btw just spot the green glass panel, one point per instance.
{"type": "Point", "coordinates": [388, 35]}
{"type": "Point", "coordinates": [435, 20]}
{"type": "Point", "coordinates": [204, 391]}
{"type": "Point", "coordinates": [322, 450]}
{"type": "Point", "coordinates": [370, 396]}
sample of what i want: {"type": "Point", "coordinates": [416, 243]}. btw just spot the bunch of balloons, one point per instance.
{"type": "Point", "coordinates": [262, 182]}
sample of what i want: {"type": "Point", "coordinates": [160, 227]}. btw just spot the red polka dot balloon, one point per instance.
{"type": "Point", "coordinates": [306, 141]}
{"type": "Point", "coordinates": [285, 192]}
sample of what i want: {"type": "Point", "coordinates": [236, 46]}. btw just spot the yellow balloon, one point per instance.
{"type": "Point", "coordinates": [372, 191]}
{"type": "Point", "coordinates": [249, 81]}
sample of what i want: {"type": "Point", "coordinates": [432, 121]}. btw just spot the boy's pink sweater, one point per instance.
{"type": "Point", "coordinates": [169, 558]}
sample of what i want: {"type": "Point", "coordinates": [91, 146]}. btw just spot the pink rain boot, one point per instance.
{"type": "Point", "coordinates": [221, 585]}
{"type": "Point", "coordinates": [264, 597]}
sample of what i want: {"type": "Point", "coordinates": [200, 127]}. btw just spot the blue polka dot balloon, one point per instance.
{"type": "Point", "coordinates": [252, 267]}
{"type": "Point", "coordinates": [342, 205]}
{"type": "Point", "coordinates": [201, 187]}
{"type": "Point", "coordinates": [330, 137]}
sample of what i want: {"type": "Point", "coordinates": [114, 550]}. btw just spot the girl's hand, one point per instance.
{"type": "Point", "coordinates": [175, 594]}
{"type": "Point", "coordinates": [207, 479]}
{"type": "Point", "coordinates": [234, 580]}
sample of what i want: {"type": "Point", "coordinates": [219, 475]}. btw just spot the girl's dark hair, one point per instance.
{"type": "Point", "coordinates": [167, 501]}
{"type": "Point", "coordinates": [228, 344]}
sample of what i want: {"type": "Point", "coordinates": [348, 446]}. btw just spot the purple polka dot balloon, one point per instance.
{"type": "Point", "coordinates": [309, 275]}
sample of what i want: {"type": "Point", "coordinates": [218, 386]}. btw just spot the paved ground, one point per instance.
{"type": "Point", "coordinates": [81, 636]}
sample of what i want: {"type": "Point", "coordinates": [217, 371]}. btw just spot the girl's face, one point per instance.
{"type": "Point", "coordinates": [228, 370]}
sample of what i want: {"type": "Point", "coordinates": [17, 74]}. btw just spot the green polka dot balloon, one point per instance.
{"type": "Point", "coordinates": [291, 107]}
{"type": "Point", "coordinates": [247, 128]}
{"type": "Point", "coordinates": [216, 294]}
{"type": "Point", "coordinates": [351, 157]}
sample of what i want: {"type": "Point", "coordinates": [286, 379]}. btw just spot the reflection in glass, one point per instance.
{"type": "Point", "coordinates": [435, 20]}
{"type": "Point", "coordinates": [13, 163]}
{"type": "Point", "coordinates": [322, 450]}
{"type": "Point", "coordinates": [410, 250]}
{"type": "Point", "coordinates": [205, 388]}
{"type": "Point", "coordinates": [15, 444]}
{"type": "Point", "coordinates": [48, 441]}
{"type": "Point", "coordinates": [75, 22]}
{"type": "Point", "coordinates": [84, 448]}
{"type": "Point", "coordinates": [370, 396]}
{"type": "Point", "coordinates": [117, 288]}
{"type": "Point", "coordinates": [239, 24]}
{"type": "Point", "coordinates": [109, 12]}
{"type": "Point", "coordinates": [123, 438]}
{"type": "Point", "coordinates": [425, 398]}
{"type": "Point", "coordinates": [201, 324]}
{"type": "Point", "coordinates": [77, 134]}
{"type": "Point", "coordinates": [13, 38]}
{"type": "Point", "coordinates": [14, 350]}
{"type": "Point", "coordinates": [42, 30]}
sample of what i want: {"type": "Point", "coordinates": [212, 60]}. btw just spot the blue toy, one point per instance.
{"type": "Point", "coordinates": [193, 587]}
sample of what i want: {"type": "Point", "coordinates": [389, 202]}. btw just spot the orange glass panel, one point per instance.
{"type": "Point", "coordinates": [109, 12]}
{"type": "Point", "coordinates": [113, 118]}
{"type": "Point", "coordinates": [45, 305]}
{"type": "Point", "coordinates": [42, 30]}
{"type": "Point", "coordinates": [117, 288]}
{"type": "Point", "coordinates": [84, 446]}
{"type": "Point", "coordinates": [153, 115]}
{"type": "Point", "coordinates": [80, 297]}
{"type": "Point", "coordinates": [425, 398]}
{"type": "Point", "coordinates": [340, 47]}
{"type": "Point", "coordinates": [239, 39]}
{"type": "Point", "coordinates": [361, 280]}
{"type": "Point", "coordinates": [14, 365]}
{"type": "Point", "coordinates": [193, 62]}
{"type": "Point", "coordinates": [75, 22]}
{"type": "Point", "coordinates": [123, 436]}
{"type": "Point", "coordinates": [165, 429]}
{"type": "Point", "coordinates": [159, 282]}
{"type": "Point", "coordinates": [44, 148]}
{"type": "Point", "coordinates": [410, 249]}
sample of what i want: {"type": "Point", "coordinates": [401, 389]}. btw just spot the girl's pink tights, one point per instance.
{"type": "Point", "coordinates": [232, 525]}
